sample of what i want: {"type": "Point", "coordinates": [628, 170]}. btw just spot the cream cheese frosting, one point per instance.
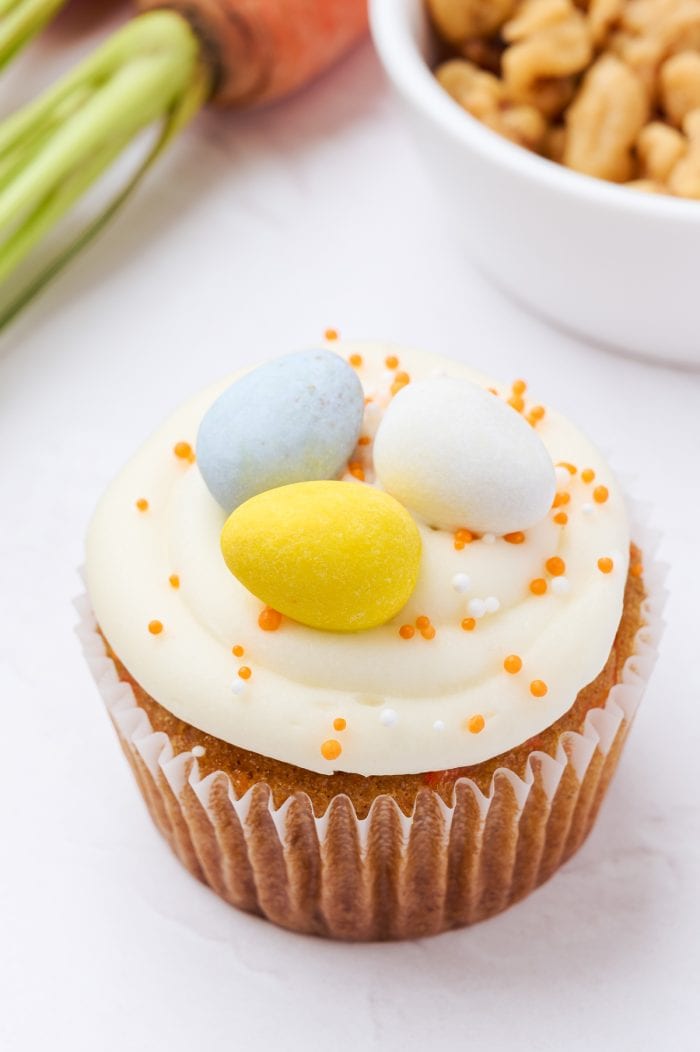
{"type": "Point", "coordinates": [411, 701]}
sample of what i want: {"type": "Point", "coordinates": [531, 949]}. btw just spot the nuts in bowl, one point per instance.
{"type": "Point", "coordinates": [610, 88]}
{"type": "Point", "coordinates": [615, 267]}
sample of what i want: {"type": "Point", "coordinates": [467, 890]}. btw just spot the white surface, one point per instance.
{"type": "Point", "coordinates": [256, 234]}
{"type": "Point", "coordinates": [600, 260]}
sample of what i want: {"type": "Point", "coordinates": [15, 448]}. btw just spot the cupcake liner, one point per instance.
{"type": "Point", "coordinates": [386, 876]}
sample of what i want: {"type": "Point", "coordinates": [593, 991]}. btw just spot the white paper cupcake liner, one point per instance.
{"type": "Point", "coordinates": [385, 876]}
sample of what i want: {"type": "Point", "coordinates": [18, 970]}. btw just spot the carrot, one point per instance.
{"type": "Point", "coordinates": [262, 50]}
{"type": "Point", "coordinates": [20, 20]}
{"type": "Point", "coordinates": [161, 68]}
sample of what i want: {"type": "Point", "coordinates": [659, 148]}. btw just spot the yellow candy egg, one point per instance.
{"type": "Point", "coordinates": [332, 555]}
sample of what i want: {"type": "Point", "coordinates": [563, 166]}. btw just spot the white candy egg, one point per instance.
{"type": "Point", "coordinates": [458, 456]}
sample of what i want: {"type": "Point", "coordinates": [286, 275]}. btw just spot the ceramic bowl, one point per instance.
{"type": "Point", "coordinates": [616, 266]}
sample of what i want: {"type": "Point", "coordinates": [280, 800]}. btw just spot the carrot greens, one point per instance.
{"type": "Point", "coordinates": [148, 74]}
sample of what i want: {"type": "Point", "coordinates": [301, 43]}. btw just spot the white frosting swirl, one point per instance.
{"type": "Point", "coordinates": [407, 703]}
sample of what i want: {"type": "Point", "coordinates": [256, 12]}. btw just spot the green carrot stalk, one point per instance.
{"type": "Point", "coordinates": [53, 150]}
{"type": "Point", "coordinates": [20, 20]}
{"type": "Point", "coordinates": [155, 72]}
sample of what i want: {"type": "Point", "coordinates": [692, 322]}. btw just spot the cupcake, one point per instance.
{"type": "Point", "coordinates": [372, 630]}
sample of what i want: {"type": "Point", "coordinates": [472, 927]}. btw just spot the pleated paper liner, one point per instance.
{"type": "Point", "coordinates": [386, 876]}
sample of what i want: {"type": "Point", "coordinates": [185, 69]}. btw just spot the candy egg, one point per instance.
{"type": "Point", "coordinates": [332, 555]}
{"type": "Point", "coordinates": [459, 456]}
{"type": "Point", "coordinates": [294, 419]}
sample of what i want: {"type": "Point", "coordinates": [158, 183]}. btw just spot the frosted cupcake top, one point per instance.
{"type": "Point", "coordinates": [452, 607]}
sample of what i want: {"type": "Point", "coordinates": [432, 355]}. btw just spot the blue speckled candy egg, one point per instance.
{"type": "Point", "coordinates": [295, 419]}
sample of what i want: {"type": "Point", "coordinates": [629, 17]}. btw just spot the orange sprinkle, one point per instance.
{"type": "Point", "coordinates": [331, 334]}
{"type": "Point", "coordinates": [469, 624]}
{"type": "Point", "coordinates": [475, 724]}
{"type": "Point", "coordinates": [538, 688]}
{"type": "Point", "coordinates": [392, 362]}
{"type": "Point", "coordinates": [269, 620]}
{"type": "Point", "coordinates": [357, 471]}
{"type": "Point", "coordinates": [183, 450]}
{"type": "Point", "coordinates": [556, 566]}
{"type": "Point", "coordinates": [407, 631]}
{"type": "Point", "coordinates": [238, 650]}
{"type": "Point", "coordinates": [364, 440]}
{"type": "Point", "coordinates": [513, 663]}
{"type": "Point", "coordinates": [400, 381]}
{"type": "Point", "coordinates": [174, 580]}
{"type": "Point", "coordinates": [560, 498]}
{"type": "Point", "coordinates": [636, 570]}
{"type": "Point", "coordinates": [514, 538]}
{"type": "Point", "coordinates": [561, 518]}
{"type": "Point", "coordinates": [422, 622]}
{"type": "Point", "coordinates": [605, 565]}
{"type": "Point", "coordinates": [155, 627]}
{"type": "Point", "coordinates": [536, 413]}
{"type": "Point", "coordinates": [587, 475]}
{"type": "Point", "coordinates": [600, 494]}
{"type": "Point", "coordinates": [355, 360]}
{"type": "Point", "coordinates": [569, 467]}
{"type": "Point", "coordinates": [142, 504]}
{"type": "Point", "coordinates": [538, 586]}
{"type": "Point", "coordinates": [244, 672]}
{"type": "Point", "coordinates": [368, 399]}
{"type": "Point", "coordinates": [459, 546]}
{"type": "Point", "coordinates": [465, 536]}
{"type": "Point", "coordinates": [519, 387]}
{"type": "Point", "coordinates": [517, 402]}
{"type": "Point", "coordinates": [493, 391]}
{"type": "Point", "coordinates": [331, 749]}
{"type": "Point", "coordinates": [339, 724]}
{"type": "Point", "coordinates": [428, 632]}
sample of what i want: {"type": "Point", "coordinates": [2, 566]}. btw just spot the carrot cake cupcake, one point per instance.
{"type": "Point", "coordinates": [372, 630]}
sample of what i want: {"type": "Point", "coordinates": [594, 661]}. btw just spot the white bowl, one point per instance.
{"type": "Point", "coordinates": [619, 267]}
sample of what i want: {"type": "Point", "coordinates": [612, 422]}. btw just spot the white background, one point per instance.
{"type": "Point", "coordinates": [255, 234]}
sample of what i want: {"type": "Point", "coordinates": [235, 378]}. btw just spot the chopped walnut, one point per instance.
{"type": "Point", "coordinates": [659, 148]}
{"type": "Point", "coordinates": [602, 15]}
{"type": "Point", "coordinates": [484, 96]}
{"type": "Point", "coordinates": [532, 16]}
{"type": "Point", "coordinates": [679, 85]}
{"type": "Point", "coordinates": [604, 121]}
{"type": "Point", "coordinates": [458, 20]}
{"type": "Point", "coordinates": [610, 88]}
{"type": "Point", "coordinates": [477, 91]}
{"type": "Point", "coordinates": [684, 180]}
{"type": "Point", "coordinates": [549, 41]}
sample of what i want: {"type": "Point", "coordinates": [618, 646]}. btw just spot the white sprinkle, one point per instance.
{"type": "Point", "coordinates": [238, 686]}
{"type": "Point", "coordinates": [586, 508]}
{"type": "Point", "coordinates": [198, 750]}
{"type": "Point", "coordinates": [388, 717]}
{"type": "Point", "coordinates": [489, 538]}
{"type": "Point", "coordinates": [492, 604]}
{"type": "Point", "coordinates": [563, 477]}
{"type": "Point", "coordinates": [439, 725]}
{"type": "Point", "coordinates": [477, 607]}
{"type": "Point", "coordinates": [561, 585]}
{"type": "Point", "coordinates": [461, 583]}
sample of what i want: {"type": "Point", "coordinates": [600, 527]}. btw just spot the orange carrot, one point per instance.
{"type": "Point", "coordinates": [261, 50]}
